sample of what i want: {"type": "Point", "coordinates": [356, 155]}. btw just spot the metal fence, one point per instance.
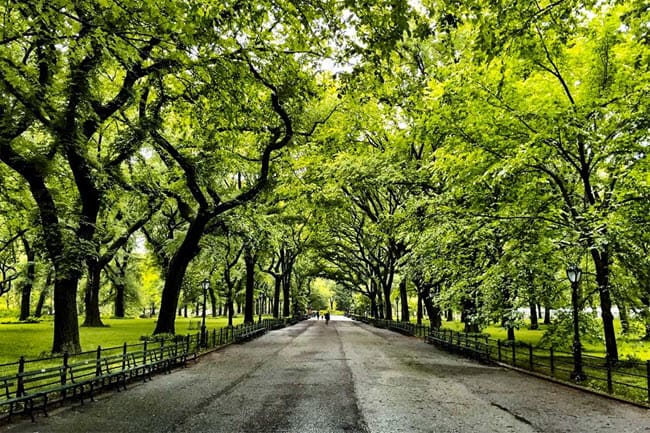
{"type": "Point", "coordinates": [12, 375]}
{"type": "Point", "coordinates": [626, 379]}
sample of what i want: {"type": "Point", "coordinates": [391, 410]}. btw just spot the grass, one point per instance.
{"type": "Point", "coordinates": [33, 340]}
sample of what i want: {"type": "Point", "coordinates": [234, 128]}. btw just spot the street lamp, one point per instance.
{"type": "Point", "coordinates": [204, 340]}
{"type": "Point", "coordinates": [574, 273]}
{"type": "Point", "coordinates": [260, 305]}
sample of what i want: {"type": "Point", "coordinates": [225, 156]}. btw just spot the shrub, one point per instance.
{"type": "Point", "coordinates": [559, 333]}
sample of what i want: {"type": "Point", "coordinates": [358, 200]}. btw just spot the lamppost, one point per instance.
{"type": "Point", "coordinates": [260, 305]}
{"type": "Point", "coordinates": [206, 285]}
{"type": "Point", "coordinates": [574, 273]}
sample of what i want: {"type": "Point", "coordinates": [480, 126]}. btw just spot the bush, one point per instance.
{"type": "Point", "coordinates": [162, 337]}
{"type": "Point", "coordinates": [559, 333]}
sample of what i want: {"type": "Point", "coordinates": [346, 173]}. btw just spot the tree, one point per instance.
{"type": "Point", "coordinates": [562, 86]}
{"type": "Point", "coordinates": [68, 73]}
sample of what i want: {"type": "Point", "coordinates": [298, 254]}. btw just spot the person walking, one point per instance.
{"type": "Point", "coordinates": [327, 318]}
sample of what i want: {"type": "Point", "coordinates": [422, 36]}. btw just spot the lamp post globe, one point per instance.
{"type": "Point", "coordinates": [574, 273]}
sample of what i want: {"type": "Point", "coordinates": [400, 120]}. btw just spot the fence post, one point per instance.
{"type": "Point", "coordinates": [144, 353]}
{"type": "Point", "coordinates": [552, 363]}
{"type": "Point", "coordinates": [220, 336]}
{"type": "Point", "coordinates": [98, 366]}
{"type": "Point", "coordinates": [20, 386]}
{"type": "Point", "coordinates": [487, 348]}
{"type": "Point", "coordinates": [124, 356]}
{"type": "Point", "coordinates": [530, 357]}
{"type": "Point", "coordinates": [647, 367]}
{"type": "Point", "coordinates": [514, 354]}
{"type": "Point", "coordinates": [499, 349]}
{"type": "Point", "coordinates": [187, 344]}
{"type": "Point", "coordinates": [610, 385]}
{"type": "Point", "coordinates": [214, 338]}
{"type": "Point", "coordinates": [64, 373]}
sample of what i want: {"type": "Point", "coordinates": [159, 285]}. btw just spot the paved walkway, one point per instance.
{"type": "Point", "coordinates": [342, 377]}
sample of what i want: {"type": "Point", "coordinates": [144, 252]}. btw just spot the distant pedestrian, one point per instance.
{"type": "Point", "coordinates": [327, 318]}
{"type": "Point", "coordinates": [317, 315]}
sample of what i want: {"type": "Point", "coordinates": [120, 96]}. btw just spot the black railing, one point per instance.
{"type": "Point", "coordinates": [629, 379]}
{"type": "Point", "coordinates": [48, 378]}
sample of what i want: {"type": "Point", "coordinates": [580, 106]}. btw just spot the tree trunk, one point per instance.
{"type": "Point", "coordinates": [230, 307]}
{"type": "Point", "coordinates": [380, 304]}
{"type": "Point", "coordinates": [511, 334]}
{"type": "Point", "coordinates": [419, 309]}
{"type": "Point", "coordinates": [120, 290]}
{"type": "Point", "coordinates": [64, 259]}
{"type": "Point", "coordinates": [601, 262]}
{"type": "Point", "coordinates": [176, 272]}
{"type": "Point", "coordinates": [433, 310]}
{"type": "Point", "coordinates": [28, 284]}
{"type": "Point", "coordinates": [404, 300]}
{"type": "Point", "coordinates": [66, 321]}
{"type": "Point", "coordinates": [38, 312]}
{"type": "Point", "coordinates": [534, 324]}
{"type": "Point", "coordinates": [373, 304]}
{"type": "Point", "coordinates": [388, 307]}
{"type": "Point", "coordinates": [547, 315]}
{"type": "Point", "coordinates": [276, 295]}
{"type": "Point", "coordinates": [249, 260]}
{"type": "Point", "coordinates": [449, 315]}
{"type": "Point", "coordinates": [213, 301]}
{"type": "Point", "coordinates": [286, 293]}
{"type": "Point", "coordinates": [469, 310]}
{"type": "Point", "coordinates": [91, 298]}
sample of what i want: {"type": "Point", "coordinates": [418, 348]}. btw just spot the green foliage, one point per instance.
{"type": "Point", "coordinates": [559, 334]}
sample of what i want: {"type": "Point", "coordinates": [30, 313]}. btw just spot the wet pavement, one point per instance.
{"type": "Point", "coordinates": [342, 377]}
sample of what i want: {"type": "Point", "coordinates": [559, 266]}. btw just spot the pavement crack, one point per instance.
{"type": "Point", "coordinates": [517, 417]}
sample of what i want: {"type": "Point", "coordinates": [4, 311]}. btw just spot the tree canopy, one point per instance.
{"type": "Point", "coordinates": [460, 154]}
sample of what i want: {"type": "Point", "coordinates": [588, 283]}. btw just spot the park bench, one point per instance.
{"type": "Point", "coordinates": [472, 346]}
{"type": "Point", "coordinates": [157, 360]}
{"type": "Point", "coordinates": [16, 399]}
{"type": "Point", "coordinates": [111, 370]}
{"type": "Point", "coordinates": [80, 378]}
{"type": "Point", "coordinates": [28, 391]}
{"type": "Point", "coordinates": [176, 355]}
{"type": "Point", "coordinates": [248, 333]}
{"type": "Point", "coordinates": [135, 365]}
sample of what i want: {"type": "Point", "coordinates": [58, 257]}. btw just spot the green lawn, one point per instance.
{"type": "Point", "coordinates": [35, 339]}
